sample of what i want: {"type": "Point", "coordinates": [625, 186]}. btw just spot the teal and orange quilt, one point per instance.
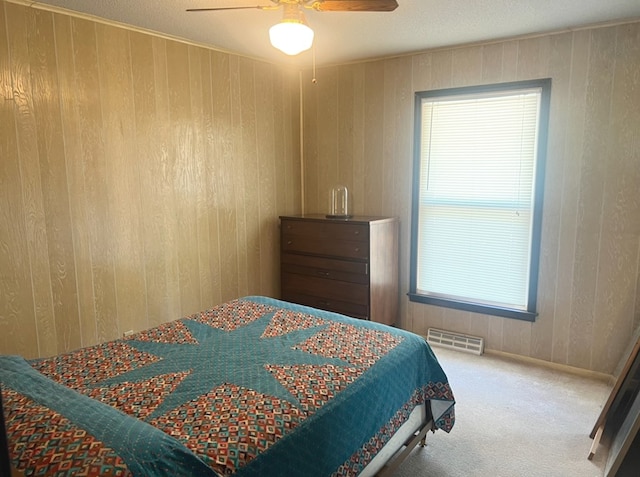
{"type": "Point", "coordinates": [252, 387]}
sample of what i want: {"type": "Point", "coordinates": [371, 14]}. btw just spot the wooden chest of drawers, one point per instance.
{"type": "Point", "coordinates": [347, 266]}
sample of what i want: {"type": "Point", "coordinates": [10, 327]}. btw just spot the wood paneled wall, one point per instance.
{"type": "Point", "coordinates": [358, 131]}
{"type": "Point", "coordinates": [141, 179]}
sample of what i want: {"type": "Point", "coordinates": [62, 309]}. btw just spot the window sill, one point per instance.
{"type": "Point", "coordinates": [475, 307]}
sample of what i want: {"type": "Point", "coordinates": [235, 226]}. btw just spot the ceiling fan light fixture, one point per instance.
{"type": "Point", "coordinates": [292, 35]}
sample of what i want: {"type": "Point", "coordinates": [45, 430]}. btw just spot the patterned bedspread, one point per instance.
{"type": "Point", "coordinates": [253, 387]}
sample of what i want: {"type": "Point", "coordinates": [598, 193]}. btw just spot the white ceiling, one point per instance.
{"type": "Point", "coordinates": [342, 37]}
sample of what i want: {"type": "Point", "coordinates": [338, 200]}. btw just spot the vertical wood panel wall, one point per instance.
{"type": "Point", "coordinates": [141, 179]}
{"type": "Point", "coordinates": [358, 130]}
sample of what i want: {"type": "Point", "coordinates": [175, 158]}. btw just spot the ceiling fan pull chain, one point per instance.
{"type": "Point", "coordinates": [313, 62]}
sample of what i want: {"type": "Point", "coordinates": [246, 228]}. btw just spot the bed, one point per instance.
{"type": "Point", "coordinates": [252, 387]}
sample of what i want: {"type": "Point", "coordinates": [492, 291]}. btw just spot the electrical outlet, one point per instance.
{"type": "Point", "coordinates": [128, 333]}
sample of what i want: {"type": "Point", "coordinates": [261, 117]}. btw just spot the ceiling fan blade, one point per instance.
{"type": "Point", "coordinates": [355, 5]}
{"type": "Point", "coordinates": [259, 7]}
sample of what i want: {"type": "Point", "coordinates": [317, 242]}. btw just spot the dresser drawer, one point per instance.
{"type": "Point", "coordinates": [326, 237]}
{"type": "Point", "coordinates": [326, 230]}
{"type": "Point", "coordinates": [323, 246]}
{"type": "Point", "coordinates": [328, 268]}
{"type": "Point", "coordinates": [346, 308]}
{"type": "Point", "coordinates": [328, 289]}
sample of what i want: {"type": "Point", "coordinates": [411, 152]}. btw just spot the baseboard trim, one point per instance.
{"type": "Point", "coordinates": [587, 373]}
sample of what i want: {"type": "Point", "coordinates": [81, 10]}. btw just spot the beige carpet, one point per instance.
{"type": "Point", "coordinates": [513, 419]}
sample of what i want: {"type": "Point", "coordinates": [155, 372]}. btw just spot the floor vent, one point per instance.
{"type": "Point", "coordinates": [449, 339]}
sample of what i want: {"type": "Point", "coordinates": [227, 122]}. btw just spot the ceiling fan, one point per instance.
{"type": "Point", "coordinates": [293, 35]}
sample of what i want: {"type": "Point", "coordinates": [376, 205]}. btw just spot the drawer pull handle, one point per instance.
{"type": "Point", "coordinates": [357, 232]}
{"type": "Point", "coordinates": [324, 303]}
{"type": "Point", "coordinates": [289, 242]}
{"type": "Point", "coordinates": [324, 274]}
{"type": "Point", "coordinates": [357, 249]}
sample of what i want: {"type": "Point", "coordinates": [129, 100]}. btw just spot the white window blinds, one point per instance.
{"type": "Point", "coordinates": [476, 196]}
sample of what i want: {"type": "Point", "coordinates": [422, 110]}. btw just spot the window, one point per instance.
{"type": "Point", "coordinates": [477, 197]}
